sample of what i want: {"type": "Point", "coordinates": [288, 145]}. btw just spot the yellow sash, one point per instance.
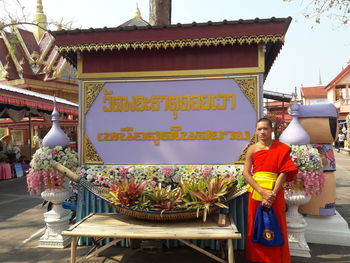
{"type": "Point", "coordinates": [265, 180]}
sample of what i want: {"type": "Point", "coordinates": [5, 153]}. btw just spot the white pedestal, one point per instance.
{"type": "Point", "coordinates": [330, 230]}
{"type": "Point", "coordinates": [296, 224]}
{"type": "Point", "coordinates": [57, 219]}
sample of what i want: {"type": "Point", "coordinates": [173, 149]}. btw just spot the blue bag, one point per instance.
{"type": "Point", "coordinates": [266, 229]}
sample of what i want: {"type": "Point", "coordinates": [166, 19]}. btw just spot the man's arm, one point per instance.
{"type": "Point", "coordinates": [281, 179]}
{"type": "Point", "coordinates": [268, 195]}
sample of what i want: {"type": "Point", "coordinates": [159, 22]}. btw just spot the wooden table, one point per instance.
{"type": "Point", "coordinates": [119, 226]}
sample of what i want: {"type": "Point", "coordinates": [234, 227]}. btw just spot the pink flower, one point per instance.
{"type": "Point", "coordinates": [167, 172]}
{"type": "Point", "coordinates": [206, 171]}
{"type": "Point", "coordinates": [124, 171]}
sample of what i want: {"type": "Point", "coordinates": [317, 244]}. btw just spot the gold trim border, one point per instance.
{"type": "Point", "coordinates": [248, 86]}
{"type": "Point", "coordinates": [90, 155]}
{"type": "Point", "coordinates": [178, 43]}
{"type": "Point", "coordinates": [91, 91]}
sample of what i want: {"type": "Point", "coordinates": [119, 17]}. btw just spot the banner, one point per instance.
{"type": "Point", "coordinates": [206, 121]}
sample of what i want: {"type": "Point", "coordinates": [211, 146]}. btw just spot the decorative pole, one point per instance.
{"type": "Point", "coordinates": [57, 219]}
{"type": "Point", "coordinates": [295, 134]}
{"type": "Point", "coordinates": [348, 130]}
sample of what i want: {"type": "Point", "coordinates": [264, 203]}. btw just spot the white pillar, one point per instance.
{"type": "Point", "coordinates": [57, 219]}
{"type": "Point", "coordinates": [296, 224]}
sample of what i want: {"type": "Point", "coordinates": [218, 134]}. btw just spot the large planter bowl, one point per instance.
{"type": "Point", "coordinates": [154, 215]}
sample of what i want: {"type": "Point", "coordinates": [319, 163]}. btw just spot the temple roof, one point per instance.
{"type": "Point", "coordinates": [339, 77]}
{"type": "Point", "coordinates": [136, 21]}
{"type": "Point", "coordinates": [271, 32]}
{"type": "Point", "coordinates": [313, 92]}
{"type": "Point", "coordinates": [285, 21]}
{"type": "Point", "coordinates": [31, 59]}
{"type": "Point", "coordinates": [25, 98]}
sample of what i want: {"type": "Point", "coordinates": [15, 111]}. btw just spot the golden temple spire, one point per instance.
{"type": "Point", "coordinates": [40, 19]}
{"type": "Point", "coordinates": [137, 12]}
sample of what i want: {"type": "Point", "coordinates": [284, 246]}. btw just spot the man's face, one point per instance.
{"type": "Point", "coordinates": [263, 130]}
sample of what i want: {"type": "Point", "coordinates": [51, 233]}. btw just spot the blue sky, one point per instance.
{"type": "Point", "coordinates": [309, 48]}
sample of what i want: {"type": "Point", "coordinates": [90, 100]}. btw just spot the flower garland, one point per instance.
{"type": "Point", "coordinates": [310, 177]}
{"type": "Point", "coordinates": [166, 188]}
{"type": "Point", "coordinates": [42, 174]}
{"type": "Point", "coordinates": [167, 175]}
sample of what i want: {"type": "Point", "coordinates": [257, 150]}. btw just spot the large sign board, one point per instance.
{"type": "Point", "coordinates": [197, 121]}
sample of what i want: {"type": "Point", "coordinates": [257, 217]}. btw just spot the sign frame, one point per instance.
{"type": "Point", "coordinates": [250, 86]}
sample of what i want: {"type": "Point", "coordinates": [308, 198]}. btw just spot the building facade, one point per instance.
{"type": "Point", "coordinates": [338, 92]}
{"type": "Point", "coordinates": [313, 95]}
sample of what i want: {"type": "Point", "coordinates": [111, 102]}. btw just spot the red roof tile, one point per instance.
{"type": "Point", "coordinates": [341, 74]}
{"type": "Point", "coordinates": [314, 92]}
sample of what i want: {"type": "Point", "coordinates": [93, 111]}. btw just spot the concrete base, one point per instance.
{"type": "Point", "coordinates": [298, 250]}
{"type": "Point", "coordinates": [57, 242]}
{"type": "Point", "coordinates": [330, 230]}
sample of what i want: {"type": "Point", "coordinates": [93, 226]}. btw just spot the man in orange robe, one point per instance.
{"type": "Point", "coordinates": [268, 165]}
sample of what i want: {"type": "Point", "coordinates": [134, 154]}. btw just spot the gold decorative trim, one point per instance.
{"type": "Point", "coordinates": [178, 43]}
{"type": "Point", "coordinates": [3, 72]}
{"type": "Point", "coordinates": [47, 69]}
{"type": "Point", "coordinates": [46, 50]}
{"type": "Point", "coordinates": [23, 45]}
{"type": "Point", "coordinates": [249, 88]}
{"type": "Point", "coordinates": [58, 71]}
{"type": "Point", "coordinates": [79, 65]}
{"type": "Point", "coordinates": [12, 54]}
{"type": "Point", "coordinates": [261, 56]}
{"type": "Point", "coordinates": [90, 154]}
{"type": "Point", "coordinates": [66, 85]}
{"type": "Point", "coordinates": [91, 91]}
{"type": "Point", "coordinates": [241, 158]}
{"type": "Point", "coordinates": [171, 73]}
{"type": "Point", "coordinates": [248, 85]}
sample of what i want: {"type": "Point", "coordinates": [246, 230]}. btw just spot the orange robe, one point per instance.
{"type": "Point", "coordinates": [275, 160]}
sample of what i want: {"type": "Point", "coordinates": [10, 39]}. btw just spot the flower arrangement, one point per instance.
{"type": "Point", "coordinates": [309, 162]}
{"type": "Point", "coordinates": [166, 188]}
{"type": "Point", "coordinates": [43, 175]}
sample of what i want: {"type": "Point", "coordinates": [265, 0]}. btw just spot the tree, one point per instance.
{"type": "Point", "coordinates": [338, 10]}
{"type": "Point", "coordinates": [15, 13]}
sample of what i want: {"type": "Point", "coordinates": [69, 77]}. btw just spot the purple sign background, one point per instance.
{"type": "Point", "coordinates": [225, 151]}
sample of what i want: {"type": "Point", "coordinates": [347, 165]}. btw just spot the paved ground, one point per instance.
{"type": "Point", "coordinates": [22, 224]}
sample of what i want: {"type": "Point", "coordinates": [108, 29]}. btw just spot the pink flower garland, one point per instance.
{"type": "Point", "coordinates": [51, 179]}
{"type": "Point", "coordinates": [313, 181]}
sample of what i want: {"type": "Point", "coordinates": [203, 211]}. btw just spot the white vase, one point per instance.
{"type": "Point", "coordinates": [296, 223]}
{"type": "Point", "coordinates": [57, 219]}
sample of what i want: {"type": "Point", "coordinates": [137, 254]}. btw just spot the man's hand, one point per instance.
{"type": "Point", "coordinates": [268, 195]}
{"type": "Point", "coordinates": [266, 203]}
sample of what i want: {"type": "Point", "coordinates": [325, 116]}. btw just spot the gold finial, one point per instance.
{"type": "Point", "coordinates": [39, 7]}
{"type": "Point", "coordinates": [40, 20]}
{"type": "Point", "coordinates": [137, 12]}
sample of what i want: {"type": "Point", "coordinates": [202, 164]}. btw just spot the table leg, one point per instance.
{"type": "Point", "coordinates": [230, 254]}
{"type": "Point", "coordinates": [73, 249]}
